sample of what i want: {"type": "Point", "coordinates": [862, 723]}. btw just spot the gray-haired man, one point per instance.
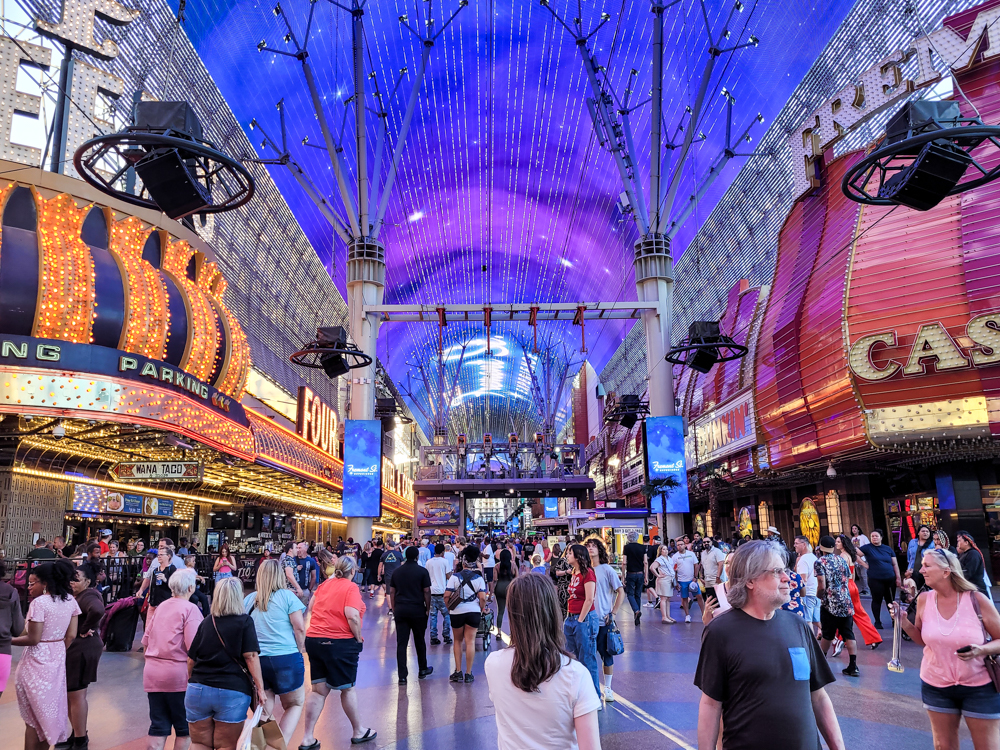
{"type": "Point", "coordinates": [759, 661]}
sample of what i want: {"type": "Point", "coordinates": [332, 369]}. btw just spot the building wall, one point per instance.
{"type": "Point", "coordinates": [739, 238]}
{"type": "Point", "coordinates": [29, 505]}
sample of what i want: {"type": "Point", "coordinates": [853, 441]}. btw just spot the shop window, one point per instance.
{"type": "Point", "coordinates": [833, 521]}
{"type": "Point", "coordinates": [763, 517]}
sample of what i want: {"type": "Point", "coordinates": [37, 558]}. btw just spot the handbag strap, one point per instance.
{"type": "Point", "coordinates": [241, 664]}
{"type": "Point", "coordinates": [975, 605]}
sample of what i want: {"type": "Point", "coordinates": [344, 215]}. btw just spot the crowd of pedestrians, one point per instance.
{"type": "Point", "coordinates": [208, 662]}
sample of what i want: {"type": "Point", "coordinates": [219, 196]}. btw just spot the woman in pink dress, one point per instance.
{"type": "Point", "coordinates": [40, 679]}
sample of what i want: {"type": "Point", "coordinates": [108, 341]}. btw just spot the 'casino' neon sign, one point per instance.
{"type": "Point", "coordinates": [933, 346]}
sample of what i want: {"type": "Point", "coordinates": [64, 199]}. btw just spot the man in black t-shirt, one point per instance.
{"type": "Point", "coordinates": [410, 603]}
{"type": "Point", "coordinates": [635, 573]}
{"type": "Point", "coordinates": [761, 670]}
{"type": "Point", "coordinates": [392, 558]}
{"type": "Point", "coordinates": [374, 558]}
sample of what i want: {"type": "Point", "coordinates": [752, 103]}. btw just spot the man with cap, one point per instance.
{"type": "Point", "coordinates": [105, 538]}
{"type": "Point", "coordinates": [836, 609]}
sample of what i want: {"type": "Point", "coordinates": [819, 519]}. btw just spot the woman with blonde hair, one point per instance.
{"type": "Point", "coordinates": [334, 643]}
{"type": "Point", "coordinates": [224, 671]}
{"type": "Point", "coordinates": [664, 572]}
{"type": "Point", "coordinates": [543, 696]}
{"type": "Point", "coordinates": [952, 623]}
{"type": "Point", "coordinates": [281, 632]}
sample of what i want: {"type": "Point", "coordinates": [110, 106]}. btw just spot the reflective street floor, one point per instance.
{"type": "Point", "coordinates": [656, 703]}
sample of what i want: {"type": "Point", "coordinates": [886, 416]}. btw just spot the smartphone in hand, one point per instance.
{"type": "Point", "coordinates": [964, 650]}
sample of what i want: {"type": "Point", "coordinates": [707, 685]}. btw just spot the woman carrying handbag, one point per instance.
{"type": "Point", "coordinates": [608, 597]}
{"type": "Point", "coordinates": [960, 631]}
{"type": "Point", "coordinates": [224, 677]}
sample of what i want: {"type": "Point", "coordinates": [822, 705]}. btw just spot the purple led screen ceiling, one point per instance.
{"type": "Point", "coordinates": [504, 193]}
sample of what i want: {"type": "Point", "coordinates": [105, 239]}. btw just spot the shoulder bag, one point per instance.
{"type": "Point", "coordinates": [239, 663]}
{"type": "Point", "coordinates": [457, 598]}
{"type": "Point", "coordinates": [992, 666]}
{"type": "Point", "coordinates": [616, 644]}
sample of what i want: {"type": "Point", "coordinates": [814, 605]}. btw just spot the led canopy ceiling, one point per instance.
{"type": "Point", "coordinates": [505, 193]}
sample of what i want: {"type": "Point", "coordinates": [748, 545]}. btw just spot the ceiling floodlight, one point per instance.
{"type": "Point", "coordinates": [277, 9]}
{"type": "Point", "coordinates": [181, 172]}
{"type": "Point", "coordinates": [754, 40]}
{"type": "Point", "coordinates": [404, 18]}
{"type": "Point", "coordinates": [739, 6]}
{"type": "Point", "coordinates": [605, 16]}
{"type": "Point", "coordinates": [922, 158]}
{"type": "Point", "coordinates": [704, 346]}
{"type": "Point", "coordinates": [261, 45]}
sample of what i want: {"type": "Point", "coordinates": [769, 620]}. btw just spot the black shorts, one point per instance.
{"type": "Point", "coordinates": [334, 661]}
{"type": "Point", "coordinates": [468, 619]}
{"type": "Point", "coordinates": [166, 710]}
{"type": "Point", "coordinates": [488, 574]}
{"type": "Point", "coordinates": [831, 625]}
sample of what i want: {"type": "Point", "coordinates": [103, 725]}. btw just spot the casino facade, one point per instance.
{"type": "Point", "coordinates": [870, 393]}
{"type": "Point", "coordinates": [124, 388]}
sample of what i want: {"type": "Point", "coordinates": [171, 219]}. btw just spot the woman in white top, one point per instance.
{"type": "Point", "coordinates": [663, 569]}
{"type": "Point", "coordinates": [716, 605]}
{"type": "Point", "coordinates": [544, 699]}
{"type": "Point", "coordinates": [469, 587]}
{"type": "Point", "coordinates": [859, 540]}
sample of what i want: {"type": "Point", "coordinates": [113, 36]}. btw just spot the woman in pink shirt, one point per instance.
{"type": "Point", "coordinates": [953, 675]}
{"type": "Point", "coordinates": [169, 632]}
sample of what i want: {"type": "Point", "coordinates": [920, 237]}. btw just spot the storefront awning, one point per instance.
{"type": "Point", "coordinates": [612, 523]}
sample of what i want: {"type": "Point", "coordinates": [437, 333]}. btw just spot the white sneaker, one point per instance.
{"type": "Point", "coordinates": [687, 619]}
{"type": "Point", "coordinates": [648, 604]}
{"type": "Point", "coordinates": [609, 697]}
{"type": "Point", "coordinates": [838, 646]}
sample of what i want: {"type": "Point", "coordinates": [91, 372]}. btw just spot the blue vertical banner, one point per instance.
{"type": "Point", "coordinates": [552, 507]}
{"type": "Point", "coordinates": [362, 468]}
{"type": "Point", "coordinates": [665, 458]}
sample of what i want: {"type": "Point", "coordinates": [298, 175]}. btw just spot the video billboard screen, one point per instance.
{"type": "Point", "coordinates": [362, 468]}
{"type": "Point", "coordinates": [552, 507]}
{"type": "Point", "coordinates": [665, 458]}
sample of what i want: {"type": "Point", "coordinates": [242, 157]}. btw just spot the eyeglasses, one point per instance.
{"type": "Point", "coordinates": [776, 572]}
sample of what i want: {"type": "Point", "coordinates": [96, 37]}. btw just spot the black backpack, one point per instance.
{"type": "Point", "coordinates": [467, 577]}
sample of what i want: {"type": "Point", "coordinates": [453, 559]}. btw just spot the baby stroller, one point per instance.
{"type": "Point", "coordinates": [486, 629]}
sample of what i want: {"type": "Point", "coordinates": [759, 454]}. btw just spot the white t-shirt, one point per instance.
{"type": "Point", "coordinates": [477, 584]}
{"type": "Point", "coordinates": [488, 553]}
{"type": "Point", "coordinates": [722, 595]}
{"type": "Point", "coordinates": [710, 559]}
{"type": "Point", "coordinates": [438, 569]}
{"type": "Point", "coordinates": [543, 720]}
{"type": "Point", "coordinates": [684, 563]}
{"type": "Point", "coordinates": [450, 559]}
{"type": "Point", "coordinates": [804, 567]}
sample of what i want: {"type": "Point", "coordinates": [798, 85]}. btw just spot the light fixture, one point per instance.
{"type": "Point", "coordinates": [830, 471]}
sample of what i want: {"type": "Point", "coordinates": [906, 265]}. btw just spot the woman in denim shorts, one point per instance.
{"type": "Point", "coordinates": [281, 632]}
{"type": "Point", "coordinates": [953, 675]}
{"type": "Point", "coordinates": [225, 671]}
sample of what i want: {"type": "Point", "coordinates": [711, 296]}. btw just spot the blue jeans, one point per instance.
{"type": "Point", "coordinates": [633, 589]}
{"type": "Point", "coordinates": [581, 641]}
{"type": "Point", "coordinates": [438, 605]}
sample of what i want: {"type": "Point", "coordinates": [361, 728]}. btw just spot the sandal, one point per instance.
{"type": "Point", "coordinates": [368, 735]}
{"type": "Point", "coordinates": [313, 746]}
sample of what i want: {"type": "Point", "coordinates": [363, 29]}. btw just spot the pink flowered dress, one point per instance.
{"type": "Point", "coordinates": [40, 679]}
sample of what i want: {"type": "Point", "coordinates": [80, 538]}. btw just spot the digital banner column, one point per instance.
{"type": "Point", "coordinates": [665, 458]}
{"type": "Point", "coordinates": [362, 468]}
